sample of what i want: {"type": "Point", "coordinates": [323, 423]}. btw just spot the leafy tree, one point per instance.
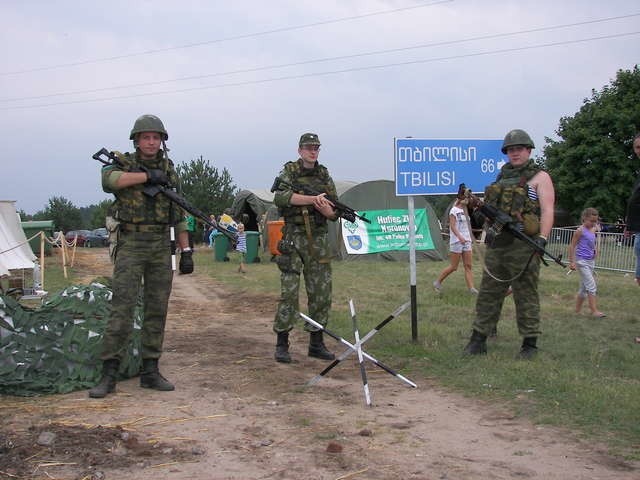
{"type": "Point", "coordinates": [205, 187]}
{"type": "Point", "coordinates": [64, 214]}
{"type": "Point", "coordinates": [592, 165]}
{"type": "Point", "coordinates": [99, 213]}
{"type": "Point", "coordinates": [24, 216]}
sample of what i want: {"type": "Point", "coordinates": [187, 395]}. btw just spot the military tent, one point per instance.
{"type": "Point", "coordinates": [15, 251]}
{"type": "Point", "coordinates": [249, 206]}
{"type": "Point", "coordinates": [371, 195]}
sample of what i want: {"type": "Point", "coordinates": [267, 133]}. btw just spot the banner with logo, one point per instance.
{"type": "Point", "coordinates": [388, 230]}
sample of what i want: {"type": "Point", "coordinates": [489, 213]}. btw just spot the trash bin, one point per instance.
{"type": "Point", "coordinates": [253, 238]}
{"type": "Point", "coordinates": [220, 247]}
{"type": "Point", "coordinates": [274, 233]}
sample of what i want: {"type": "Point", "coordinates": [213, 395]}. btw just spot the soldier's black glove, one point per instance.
{"type": "Point", "coordinates": [541, 242]}
{"type": "Point", "coordinates": [155, 176]}
{"type": "Point", "coordinates": [186, 263]}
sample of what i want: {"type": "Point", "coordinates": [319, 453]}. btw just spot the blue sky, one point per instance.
{"type": "Point", "coordinates": [238, 82]}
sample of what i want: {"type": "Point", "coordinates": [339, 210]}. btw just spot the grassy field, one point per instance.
{"type": "Point", "coordinates": [586, 376]}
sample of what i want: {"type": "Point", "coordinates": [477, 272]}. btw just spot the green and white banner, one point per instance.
{"type": "Point", "coordinates": [388, 230]}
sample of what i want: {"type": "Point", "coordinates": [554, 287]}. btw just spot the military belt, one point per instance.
{"type": "Point", "coordinates": [144, 228]}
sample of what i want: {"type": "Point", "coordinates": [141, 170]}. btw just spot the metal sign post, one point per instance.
{"type": "Point", "coordinates": [412, 269]}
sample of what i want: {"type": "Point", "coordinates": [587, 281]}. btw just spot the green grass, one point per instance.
{"type": "Point", "coordinates": [586, 376]}
{"type": "Point", "coordinates": [54, 280]}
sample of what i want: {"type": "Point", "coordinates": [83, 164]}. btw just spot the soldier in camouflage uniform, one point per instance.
{"type": "Point", "coordinates": [526, 193]}
{"type": "Point", "coordinates": [142, 254]}
{"type": "Point", "coordinates": [304, 248]}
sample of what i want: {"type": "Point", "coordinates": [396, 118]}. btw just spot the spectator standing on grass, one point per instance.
{"type": "Point", "coordinates": [207, 231]}
{"type": "Point", "coordinates": [460, 245]}
{"type": "Point", "coordinates": [582, 255]}
{"type": "Point", "coordinates": [633, 214]}
{"type": "Point", "coordinates": [525, 193]}
{"type": "Point", "coordinates": [142, 253]}
{"type": "Point", "coordinates": [241, 247]}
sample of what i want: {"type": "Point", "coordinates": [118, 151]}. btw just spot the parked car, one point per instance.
{"type": "Point", "coordinates": [97, 238]}
{"type": "Point", "coordinates": [81, 236]}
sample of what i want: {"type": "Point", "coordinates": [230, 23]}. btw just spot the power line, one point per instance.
{"type": "Point", "coordinates": [223, 40]}
{"type": "Point", "coordinates": [328, 59]}
{"type": "Point", "coordinates": [330, 72]}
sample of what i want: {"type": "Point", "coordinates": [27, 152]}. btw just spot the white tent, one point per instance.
{"type": "Point", "coordinates": [15, 251]}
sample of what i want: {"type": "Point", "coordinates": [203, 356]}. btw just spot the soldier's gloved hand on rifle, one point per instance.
{"type": "Point", "coordinates": [155, 176]}
{"type": "Point", "coordinates": [541, 241]}
{"type": "Point", "coordinates": [186, 262]}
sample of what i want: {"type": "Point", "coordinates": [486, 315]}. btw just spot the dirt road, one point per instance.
{"type": "Point", "coordinates": [237, 414]}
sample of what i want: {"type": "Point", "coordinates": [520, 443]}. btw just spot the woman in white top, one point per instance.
{"type": "Point", "coordinates": [459, 245]}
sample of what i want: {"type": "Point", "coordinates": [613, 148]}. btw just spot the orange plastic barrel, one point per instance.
{"type": "Point", "coordinates": [274, 233]}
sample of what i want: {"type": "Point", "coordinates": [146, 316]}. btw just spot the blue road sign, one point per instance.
{"type": "Point", "coordinates": [437, 167]}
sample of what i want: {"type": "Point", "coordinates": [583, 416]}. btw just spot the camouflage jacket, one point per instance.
{"type": "Point", "coordinates": [131, 204]}
{"type": "Point", "coordinates": [317, 178]}
{"type": "Point", "coordinates": [511, 194]}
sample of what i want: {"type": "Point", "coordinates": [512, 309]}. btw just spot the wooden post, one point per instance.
{"type": "Point", "coordinates": [42, 239]}
{"type": "Point", "coordinates": [63, 244]}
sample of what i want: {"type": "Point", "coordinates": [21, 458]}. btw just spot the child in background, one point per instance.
{"type": "Point", "coordinates": [582, 254]}
{"type": "Point", "coordinates": [241, 246]}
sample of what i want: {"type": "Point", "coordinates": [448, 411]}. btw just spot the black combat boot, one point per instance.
{"type": "Point", "coordinates": [282, 348]}
{"type": "Point", "coordinates": [108, 381]}
{"type": "Point", "coordinates": [477, 344]}
{"type": "Point", "coordinates": [150, 376]}
{"type": "Point", "coordinates": [317, 348]}
{"type": "Point", "coordinates": [529, 348]}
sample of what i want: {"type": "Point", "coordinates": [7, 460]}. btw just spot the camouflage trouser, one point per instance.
{"type": "Point", "coordinates": [140, 257]}
{"type": "Point", "coordinates": [296, 259]}
{"type": "Point", "coordinates": [505, 262]}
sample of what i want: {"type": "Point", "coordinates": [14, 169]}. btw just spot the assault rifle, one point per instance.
{"type": "Point", "coordinates": [342, 210]}
{"type": "Point", "coordinates": [502, 221]}
{"type": "Point", "coordinates": [153, 190]}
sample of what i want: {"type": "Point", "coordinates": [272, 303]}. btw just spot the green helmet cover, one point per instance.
{"type": "Point", "coordinates": [517, 137]}
{"type": "Point", "coordinates": [148, 123]}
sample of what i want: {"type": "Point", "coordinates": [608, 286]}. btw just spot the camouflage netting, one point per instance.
{"type": "Point", "coordinates": [56, 347]}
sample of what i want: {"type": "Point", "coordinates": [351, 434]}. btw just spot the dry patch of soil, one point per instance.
{"type": "Point", "coordinates": [237, 414]}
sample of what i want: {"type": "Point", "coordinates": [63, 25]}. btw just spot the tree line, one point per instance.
{"type": "Point", "coordinates": [592, 164]}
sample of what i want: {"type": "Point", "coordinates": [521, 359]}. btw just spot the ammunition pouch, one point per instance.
{"type": "Point", "coordinates": [515, 202]}
{"type": "Point", "coordinates": [285, 246]}
{"type": "Point", "coordinates": [284, 261]}
{"type": "Point", "coordinates": [285, 264]}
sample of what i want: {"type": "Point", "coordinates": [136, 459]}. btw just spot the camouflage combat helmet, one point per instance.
{"type": "Point", "coordinates": [148, 123]}
{"type": "Point", "coordinates": [309, 139]}
{"type": "Point", "coordinates": [517, 137]}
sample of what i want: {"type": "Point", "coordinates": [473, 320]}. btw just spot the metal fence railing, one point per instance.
{"type": "Point", "coordinates": [615, 252]}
